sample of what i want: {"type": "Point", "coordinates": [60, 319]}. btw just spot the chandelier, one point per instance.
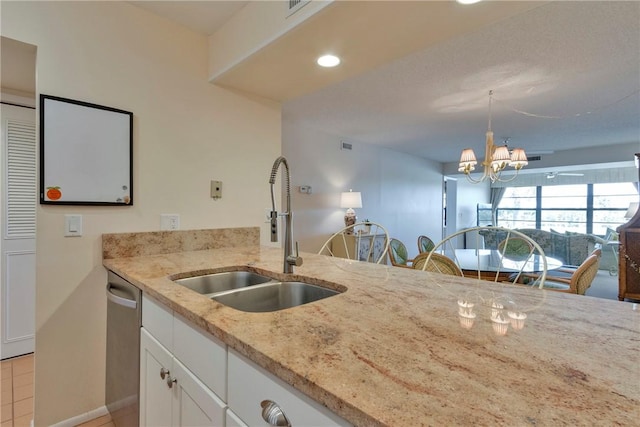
{"type": "Point", "coordinates": [495, 161]}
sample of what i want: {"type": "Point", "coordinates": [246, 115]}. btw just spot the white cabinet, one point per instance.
{"type": "Point", "coordinates": [194, 404]}
{"type": "Point", "coordinates": [233, 420]}
{"type": "Point", "coordinates": [183, 371]}
{"type": "Point", "coordinates": [155, 397]}
{"type": "Point", "coordinates": [187, 375]}
{"type": "Point", "coordinates": [249, 385]}
{"type": "Point", "coordinates": [178, 399]}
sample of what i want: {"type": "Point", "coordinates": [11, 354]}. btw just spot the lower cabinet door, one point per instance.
{"type": "Point", "coordinates": [195, 404]}
{"type": "Point", "coordinates": [233, 420]}
{"type": "Point", "coordinates": [155, 396]}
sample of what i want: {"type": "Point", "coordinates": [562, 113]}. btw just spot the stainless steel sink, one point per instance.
{"type": "Point", "coordinates": [220, 282]}
{"type": "Point", "coordinates": [273, 296]}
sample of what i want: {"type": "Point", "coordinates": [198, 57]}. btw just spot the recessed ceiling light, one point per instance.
{"type": "Point", "coordinates": [328, 61]}
{"type": "Point", "coordinates": [468, 1]}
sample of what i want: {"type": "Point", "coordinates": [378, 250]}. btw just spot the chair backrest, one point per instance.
{"type": "Point", "coordinates": [437, 264]}
{"type": "Point", "coordinates": [517, 246]}
{"type": "Point", "coordinates": [584, 275]}
{"type": "Point", "coordinates": [398, 254]}
{"type": "Point", "coordinates": [360, 241]}
{"type": "Point", "coordinates": [497, 265]}
{"type": "Point", "coordinates": [425, 244]}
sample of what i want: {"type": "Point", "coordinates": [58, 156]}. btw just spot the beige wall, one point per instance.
{"type": "Point", "coordinates": [253, 27]}
{"type": "Point", "coordinates": [402, 192]}
{"type": "Point", "coordinates": [186, 133]}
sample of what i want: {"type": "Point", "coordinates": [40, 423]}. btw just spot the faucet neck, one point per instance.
{"type": "Point", "coordinates": [288, 232]}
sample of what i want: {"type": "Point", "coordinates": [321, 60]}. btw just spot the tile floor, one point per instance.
{"type": "Point", "coordinates": [17, 391]}
{"type": "Point", "coordinates": [103, 421]}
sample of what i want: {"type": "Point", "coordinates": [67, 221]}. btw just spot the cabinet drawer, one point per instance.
{"type": "Point", "coordinates": [205, 355]}
{"type": "Point", "coordinates": [158, 321]}
{"type": "Point", "coordinates": [249, 385]}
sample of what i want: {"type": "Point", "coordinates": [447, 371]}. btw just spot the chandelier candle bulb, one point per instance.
{"type": "Point", "coordinates": [467, 319]}
{"type": "Point", "coordinates": [517, 319]}
{"type": "Point", "coordinates": [500, 325]}
{"type": "Point", "coordinates": [496, 310]}
{"type": "Point", "coordinates": [465, 307]}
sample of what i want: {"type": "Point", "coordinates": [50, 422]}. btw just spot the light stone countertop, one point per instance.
{"type": "Point", "coordinates": [391, 350]}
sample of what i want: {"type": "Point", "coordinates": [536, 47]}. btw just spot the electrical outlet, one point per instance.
{"type": "Point", "coordinates": [169, 222]}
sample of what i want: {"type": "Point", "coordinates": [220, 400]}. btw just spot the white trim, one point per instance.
{"type": "Point", "coordinates": [82, 418]}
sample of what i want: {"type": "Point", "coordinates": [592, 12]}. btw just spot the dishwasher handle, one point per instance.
{"type": "Point", "coordinates": [116, 299]}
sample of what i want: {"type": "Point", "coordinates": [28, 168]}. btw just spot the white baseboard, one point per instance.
{"type": "Point", "coordinates": [82, 418]}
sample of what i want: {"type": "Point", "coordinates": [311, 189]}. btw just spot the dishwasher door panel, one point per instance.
{"type": "Point", "coordinates": [123, 351]}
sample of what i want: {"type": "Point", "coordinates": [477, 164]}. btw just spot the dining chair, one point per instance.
{"type": "Point", "coordinates": [353, 243]}
{"type": "Point", "coordinates": [425, 244]}
{"type": "Point", "coordinates": [518, 254]}
{"type": "Point", "coordinates": [437, 264]}
{"type": "Point", "coordinates": [572, 280]}
{"type": "Point", "coordinates": [515, 246]}
{"type": "Point", "coordinates": [398, 254]}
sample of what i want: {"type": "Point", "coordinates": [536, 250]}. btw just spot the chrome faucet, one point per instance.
{"type": "Point", "coordinates": [289, 259]}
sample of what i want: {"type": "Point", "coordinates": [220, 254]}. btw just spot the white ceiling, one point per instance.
{"type": "Point", "coordinates": [578, 62]}
{"type": "Point", "coordinates": [565, 75]}
{"type": "Point", "coordinates": [558, 60]}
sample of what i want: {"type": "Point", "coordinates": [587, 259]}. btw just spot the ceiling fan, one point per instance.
{"type": "Point", "coordinates": [552, 175]}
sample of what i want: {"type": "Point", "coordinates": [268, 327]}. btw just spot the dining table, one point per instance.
{"type": "Point", "coordinates": [491, 264]}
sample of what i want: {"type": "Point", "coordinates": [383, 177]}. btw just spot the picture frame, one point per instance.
{"type": "Point", "coordinates": [86, 153]}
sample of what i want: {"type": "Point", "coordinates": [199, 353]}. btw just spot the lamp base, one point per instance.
{"type": "Point", "coordinates": [350, 218]}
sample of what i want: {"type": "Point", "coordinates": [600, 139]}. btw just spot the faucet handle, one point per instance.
{"type": "Point", "coordinates": [295, 260]}
{"type": "Point", "coordinates": [274, 226]}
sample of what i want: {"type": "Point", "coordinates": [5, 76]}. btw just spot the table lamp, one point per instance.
{"type": "Point", "coordinates": [350, 200]}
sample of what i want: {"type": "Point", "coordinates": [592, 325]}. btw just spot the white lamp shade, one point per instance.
{"type": "Point", "coordinates": [518, 158]}
{"type": "Point", "coordinates": [501, 154]}
{"type": "Point", "coordinates": [351, 199]}
{"type": "Point", "coordinates": [468, 157]}
{"type": "Point", "coordinates": [633, 208]}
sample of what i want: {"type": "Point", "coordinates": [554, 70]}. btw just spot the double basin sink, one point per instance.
{"type": "Point", "coordinates": [252, 292]}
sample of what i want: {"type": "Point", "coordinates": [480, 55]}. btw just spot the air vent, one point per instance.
{"type": "Point", "coordinates": [20, 187]}
{"type": "Point", "coordinates": [534, 158]}
{"type": "Point", "coordinates": [295, 5]}
{"type": "Point", "coordinates": [345, 146]}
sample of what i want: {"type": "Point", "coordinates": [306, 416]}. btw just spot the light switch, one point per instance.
{"type": "Point", "coordinates": [73, 225]}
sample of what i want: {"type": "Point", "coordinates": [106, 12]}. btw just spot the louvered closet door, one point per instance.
{"type": "Point", "coordinates": [19, 196]}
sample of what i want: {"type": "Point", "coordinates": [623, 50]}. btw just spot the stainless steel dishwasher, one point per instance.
{"type": "Point", "coordinates": [124, 317]}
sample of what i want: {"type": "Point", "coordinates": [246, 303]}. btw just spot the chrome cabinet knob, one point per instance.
{"type": "Point", "coordinates": [163, 373]}
{"type": "Point", "coordinates": [273, 414]}
{"type": "Point", "coordinates": [171, 381]}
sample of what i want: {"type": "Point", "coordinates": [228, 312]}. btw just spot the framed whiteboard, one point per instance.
{"type": "Point", "coordinates": [86, 155]}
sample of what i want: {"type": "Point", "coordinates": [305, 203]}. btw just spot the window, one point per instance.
{"type": "Point", "coordinates": [610, 203]}
{"type": "Point", "coordinates": [517, 209]}
{"type": "Point", "coordinates": [583, 208]}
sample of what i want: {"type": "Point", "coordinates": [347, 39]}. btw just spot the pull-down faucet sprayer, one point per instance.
{"type": "Point", "coordinates": [289, 259]}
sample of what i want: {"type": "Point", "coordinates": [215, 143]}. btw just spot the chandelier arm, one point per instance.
{"type": "Point", "coordinates": [475, 181]}
{"type": "Point", "coordinates": [507, 180]}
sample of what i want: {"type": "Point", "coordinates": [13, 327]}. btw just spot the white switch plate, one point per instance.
{"type": "Point", "coordinates": [72, 225]}
{"type": "Point", "coordinates": [169, 221]}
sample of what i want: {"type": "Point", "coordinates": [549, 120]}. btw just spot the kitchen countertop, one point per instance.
{"type": "Point", "coordinates": [391, 349]}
